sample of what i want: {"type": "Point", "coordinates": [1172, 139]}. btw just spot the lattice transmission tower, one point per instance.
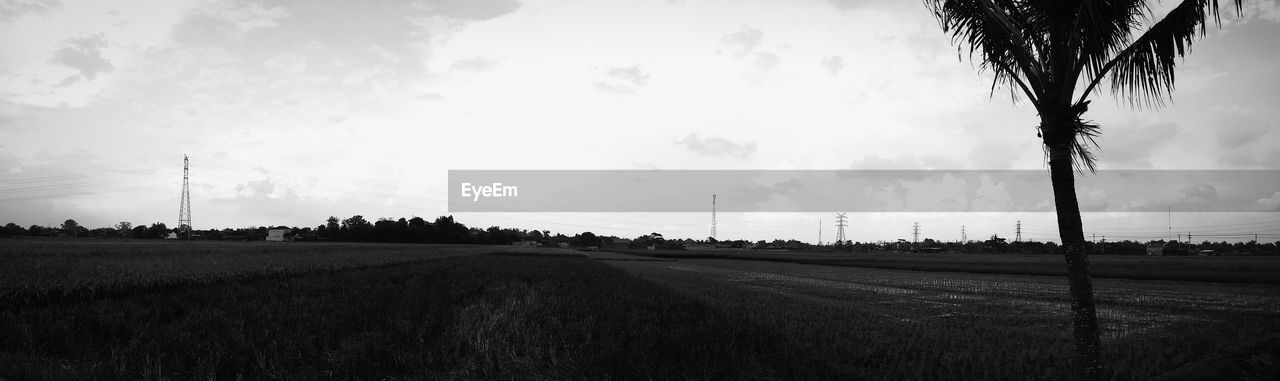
{"type": "Point", "coordinates": [713, 216]}
{"type": "Point", "coordinates": [1018, 233]}
{"type": "Point", "coordinates": [915, 233]}
{"type": "Point", "coordinates": [184, 210]}
{"type": "Point", "coordinates": [840, 224]}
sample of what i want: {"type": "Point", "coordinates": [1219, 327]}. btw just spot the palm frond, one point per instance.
{"type": "Point", "coordinates": [1086, 133]}
{"type": "Point", "coordinates": [993, 30]}
{"type": "Point", "coordinates": [1106, 27]}
{"type": "Point", "coordinates": [1143, 72]}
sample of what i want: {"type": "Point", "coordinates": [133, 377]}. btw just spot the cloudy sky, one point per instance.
{"type": "Point", "coordinates": [292, 111]}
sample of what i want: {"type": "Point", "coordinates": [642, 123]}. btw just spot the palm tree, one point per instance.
{"type": "Point", "coordinates": [1047, 50]}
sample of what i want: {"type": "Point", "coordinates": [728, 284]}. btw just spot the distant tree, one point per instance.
{"type": "Point", "coordinates": [37, 230]}
{"type": "Point", "coordinates": [449, 231]}
{"type": "Point", "coordinates": [124, 228]}
{"type": "Point", "coordinates": [70, 227]}
{"type": "Point", "coordinates": [585, 239]}
{"type": "Point", "coordinates": [357, 229]}
{"type": "Point", "coordinates": [141, 231]}
{"type": "Point", "coordinates": [12, 229]}
{"type": "Point", "coordinates": [157, 230]}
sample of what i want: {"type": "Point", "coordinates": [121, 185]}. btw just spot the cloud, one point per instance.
{"type": "Point", "coordinates": [717, 147]}
{"type": "Point", "coordinates": [1123, 146]}
{"type": "Point", "coordinates": [631, 74]}
{"type": "Point", "coordinates": [13, 9]}
{"type": "Point", "coordinates": [833, 64]}
{"type": "Point", "coordinates": [1237, 131]}
{"type": "Point", "coordinates": [266, 200]}
{"type": "Point", "coordinates": [742, 45]}
{"type": "Point", "coordinates": [762, 64]}
{"type": "Point", "coordinates": [903, 161]}
{"type": "Point", "coordinates": [1199, 193]}
{"type": "Point", "coordinates": [993, 154]}
{"type": "Point", "coordinates": [264, 187]}
{"type": "Point", "coordinates": [1270, 203]}
{"type": "Point", "coordinates": [251, 16]}
{"type": "Point", "coordinates": [1268, 11]}
{"type": "Point", "coordinates": [288, 62]}
{"type": "Point", "coordinates": [743, 42]}
{"type": "Point", "coordinates": [471, 10]}
{"type": "Point", "coordinates": [623, 80]}
{"type": "Point", "coordinates": [430, 97]}
{"type": "Point", "coordinates": [991, 194]}
{"type": "Point", "coordinates": [84, 55]}
{"type": "Point", "coordinates": [475, 64]}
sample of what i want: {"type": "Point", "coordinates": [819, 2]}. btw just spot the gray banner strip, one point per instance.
{"type": "Point", "coordinates": [857, 191]}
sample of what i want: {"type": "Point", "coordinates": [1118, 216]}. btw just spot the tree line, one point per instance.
{"type": "Point", "coordinates": [445, 229]}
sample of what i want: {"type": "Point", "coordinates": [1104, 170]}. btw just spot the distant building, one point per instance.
{"type": "Point", "coordinates": [526, 243]}
{"type": "Point", "coordinates": [171, 235]}
{"type": "Point", "coordinates": [277, 235]}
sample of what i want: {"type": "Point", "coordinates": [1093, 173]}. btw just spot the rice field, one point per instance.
{"type": "Point", "coordinates": [1157, 319]}
{"type": "Point", "coordinates": [150, 310]}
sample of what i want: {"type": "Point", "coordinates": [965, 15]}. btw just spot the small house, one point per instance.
{"type": "Point", "coordinates": [276, 235]}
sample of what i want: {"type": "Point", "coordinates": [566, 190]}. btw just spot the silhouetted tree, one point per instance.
{"type": "Point", "coordinates": [585, 239]}
{"type": "Point", "coordinates": [124, 228]}
{"type": "Point", "coordinates": [1047, 50]}
{"type": "Point", "coordinates": [357, 228]}
{"type": "Point", "coordinates": [12, 229]}
{"type": "Point", "coordinates": [157, 230]}
{"type": "Point", "coordinates": [70, 227]}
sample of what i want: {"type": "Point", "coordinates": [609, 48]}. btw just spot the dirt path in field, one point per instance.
{"type": "Point", "coordinates": [1126, 307]}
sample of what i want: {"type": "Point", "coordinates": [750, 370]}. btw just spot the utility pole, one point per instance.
{"type": "Point", "coordinates": [184, 210]}
{"type": "Point", "coordinates": [963, 237]}
{"type": "Point", "coordinates": [819, 232]}
{"type": "Point", "coordinates": [840, 224]}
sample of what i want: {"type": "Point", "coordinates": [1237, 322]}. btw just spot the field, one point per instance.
{"type": "Point", "coordinates": [81, 309]}
{"type": "Point", "coordinates": [1232, 269]}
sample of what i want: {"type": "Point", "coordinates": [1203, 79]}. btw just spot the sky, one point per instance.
{"type": "Point", "coordinates": [293, 111]}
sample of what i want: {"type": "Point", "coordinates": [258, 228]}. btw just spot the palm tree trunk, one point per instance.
{"type": "Point", "coordinates": [1084, 315]}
